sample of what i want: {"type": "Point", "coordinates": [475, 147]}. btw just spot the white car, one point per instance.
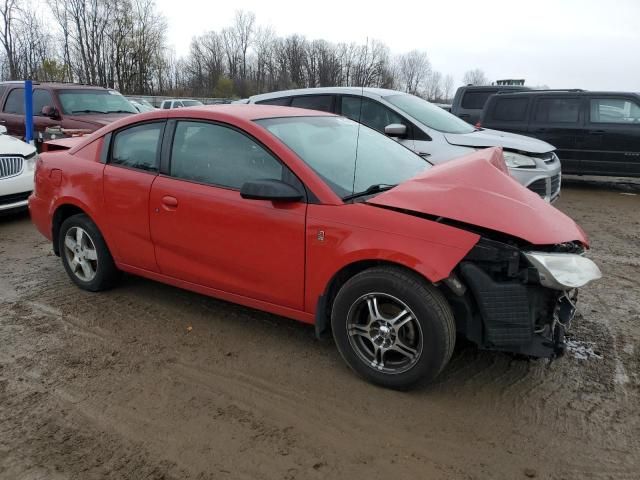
{"type": "Point", "coordinates": [430, 131]}
{"type": "Point", "coordinates": [180, 102]}
{"type": "Point", "coordinates": [17, 163]}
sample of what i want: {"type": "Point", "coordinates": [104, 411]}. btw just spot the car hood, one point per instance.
{"type": "Point", "coordinates": [494, 138]}
{"type": "Point", "coordinates": [477, 190]}
{"type": "Point", "coordinates": [12, 146]}
{"type": "Point", "coordinates": [98, 119]}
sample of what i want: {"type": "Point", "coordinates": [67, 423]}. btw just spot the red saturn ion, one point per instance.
{"type": "Point", "coordinates": [314, 217]}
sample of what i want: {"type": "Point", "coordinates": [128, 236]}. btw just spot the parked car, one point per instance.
{"type": "Point", "coordinates": [179, 103]}
{"type": "Point", "coordinates": [17, 162]}
{"type": "Point", "coordinates": [311, 216]}
{"type": "Point", "coordinates": [142, 101]}
{"type": "Point", "coordinates": [429, 130]}
{"type": "Point", "coordinates": [66, 105]}
{"type": "Point", "coordinates": [596, 133]}
{"type": "Point", "coordinates": [140, 104]}
{"type": "Point", "coordinates": [469, 100]}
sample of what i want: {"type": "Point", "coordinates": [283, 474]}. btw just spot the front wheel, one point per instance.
{"type": "Point", "coordinates": [85, 255]}
{"type": "Point", "coordinates": [392, 327]}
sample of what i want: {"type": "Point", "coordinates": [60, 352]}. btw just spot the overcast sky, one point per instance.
{"type": "Point", "coordinates": [592, 44]}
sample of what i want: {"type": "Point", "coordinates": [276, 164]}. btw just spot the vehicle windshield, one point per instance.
{"type": "Point", "coordinates": [191, 103]}
{"type": "Point", "coordinates": [429, 114]}
{"type": "Point", "coordinates": [349, 157]}
{"type": "Point", "coordinates": [85, 101]}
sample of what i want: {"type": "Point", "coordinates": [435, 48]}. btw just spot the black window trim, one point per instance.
{"type": "Point", "coordinates": [332, 95]}
{"type": "Point", "coordinates": [167, 147]}
{"type": "Point", "coordinates": [414, 133]}
{"type": "Point", "coordinates": [264, 101]}
{"type": "Point", "coordinates": [109, 140]}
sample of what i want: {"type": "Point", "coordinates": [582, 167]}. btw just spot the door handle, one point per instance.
{"type": "Point", "coordinates": [169, 201]}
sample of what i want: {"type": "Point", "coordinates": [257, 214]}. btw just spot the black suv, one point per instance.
{"type": "Point", "coordinates": [470, 100]}
{"type": "Point", "coordinates": [596, 133]}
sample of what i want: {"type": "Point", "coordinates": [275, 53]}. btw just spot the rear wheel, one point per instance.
{"type": "Point", "coordinates": [85, 255]}
{"type": "Point", "coordinates": [392, 327]}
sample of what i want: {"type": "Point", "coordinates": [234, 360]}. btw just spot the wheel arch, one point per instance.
{"type": "Point", "coordinates": [326, 299]}
{"type": "Point", "coordinates": [61, 212]}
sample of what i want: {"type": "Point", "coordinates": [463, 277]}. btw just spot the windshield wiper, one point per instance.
{"type": "Point", "coordinates": [87, 111]}
{"type": "Point", "coordinates": [370, 190]}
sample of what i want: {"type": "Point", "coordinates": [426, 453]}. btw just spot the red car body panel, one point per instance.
{"type": "Point", "coordinates": [475, 190]}
{"type": "Point", "coordinates": [278, 257]}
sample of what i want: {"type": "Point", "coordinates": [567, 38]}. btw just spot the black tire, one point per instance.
{"type": "Point", "coordinates": [429, 315]}
{"type": "Point", "coordinates": [105, 273]}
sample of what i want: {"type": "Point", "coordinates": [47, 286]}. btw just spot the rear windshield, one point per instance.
{"type": "Point", "coordinates": [85, 101]}
{"type": "Point", "coordinates": [430, 115]}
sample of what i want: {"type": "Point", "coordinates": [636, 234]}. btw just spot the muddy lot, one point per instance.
{"type": "Point", "coordinates": [151, 382]}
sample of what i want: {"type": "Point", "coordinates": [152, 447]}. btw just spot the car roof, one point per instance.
{"type": "Point", "coordinates": [368, 91]}
{"type": "Point", "coordinates": [251, 112]}
{"type": "Point", "coordinates": [57, 85]}
{"type": "Point", "coordinates": [495, 87]}
{"type": "Point", "coordinates": [568, 92]}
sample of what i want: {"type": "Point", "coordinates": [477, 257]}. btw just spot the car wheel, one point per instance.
{"type": "Point", "coordinates": [85, 255]}
{"type": "Point", "coordinates": [392, 327]}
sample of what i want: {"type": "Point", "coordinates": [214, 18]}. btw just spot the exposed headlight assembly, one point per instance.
{"type": "Point", "coordinates": [563, 271]}
{"type": "Point", "coordinates": [517, 160]}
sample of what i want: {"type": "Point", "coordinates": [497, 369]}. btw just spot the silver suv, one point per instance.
{"type": "Point", "coordinates": [429, 130]}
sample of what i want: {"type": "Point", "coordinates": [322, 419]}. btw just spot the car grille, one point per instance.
{"type": "Point", "coordinates": [539, 187]}
{"type": "Point", "coordinates": [10, 166]}
{"type": "Point", "coordinates": [14, 197]}
{"type": "Point", "coordinates": [555, 185]}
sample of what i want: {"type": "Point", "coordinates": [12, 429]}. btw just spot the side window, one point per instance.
{"type": "Point", "coordinates": [285, 101]}
{"type": "Point", "coordinates": [476, 100]}
{"type": "Point", "coordinates": [614, 110]}
{"type": "Point", "coordinates": [15, 102]}
{"type": "Point", "coordinates": [510, 109]}
{"type": "Point", "coordinates": [177, 104]}
{"type": "Point", "coordinates": [41, 98]}
{"type": "Point", "coordinates": [221, 156]}
{"type": "Point", "coordinates": [3, 88]}
{"type": "Point", "coordinates": [369, 112]}
{"type": "Point", "coordinates": [314, 102]}
{"type": "Point", "coordinates": [138, 146]}
{"type": "Point", "coordinates": [557, 110]}
{"type": "Point", "coordinates": [166, 105]}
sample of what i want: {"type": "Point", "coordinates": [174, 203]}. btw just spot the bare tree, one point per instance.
{"type": "Point", "coordinates": [475, 77]}
{"type": "Point", "coordinates": [447, 88]}
{"type": "Point", "coordinates": [414, 69]}
{"type": "Point", "coordinates": [9, 13]}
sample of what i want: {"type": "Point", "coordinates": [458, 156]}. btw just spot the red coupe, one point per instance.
{"type": "Point", "coordinates": [314, 217]}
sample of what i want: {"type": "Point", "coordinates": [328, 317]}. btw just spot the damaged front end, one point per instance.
{"type": "Point", "coordinates": [520, 300]}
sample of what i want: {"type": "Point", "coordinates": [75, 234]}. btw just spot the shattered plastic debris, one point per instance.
{"type": "Point", "coordinates": [582, 350]}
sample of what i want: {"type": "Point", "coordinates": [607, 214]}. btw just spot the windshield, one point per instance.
{"type": "Point", "coordinates": [328, 145]}
{"type": "Point", "coordinates": [429, 114]}
{"type": "Point", "coordinates": [87, 101]}
{"type": "Point", "coordinates": [191, 103]}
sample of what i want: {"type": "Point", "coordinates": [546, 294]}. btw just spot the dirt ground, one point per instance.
{"type": "Point", "coordinates": [151, 382]}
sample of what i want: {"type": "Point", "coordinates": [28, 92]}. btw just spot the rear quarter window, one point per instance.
{"type": "Point", "coordinates": [510, 109]}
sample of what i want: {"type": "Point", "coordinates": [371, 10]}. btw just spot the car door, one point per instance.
{"type": "Point", "coordinates": [614, 130]}
{"type": "Point", "coordinates": [132, 165]}
{"type": "Point", "coordinates": [375, 115]}
{"type": "Point", "coordinates": [559, 120]}
{"type": "Point", "coordinates": [205, 233]}
{"type": "Point", "coordinates": [13, 112]}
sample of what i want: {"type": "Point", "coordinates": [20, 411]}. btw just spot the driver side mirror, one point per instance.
{"type": "Point", "coordinates": [49, 111]}
{"type": "Point", "coordinates": [268, 189]}
{"type": "Point", "coordinates": [396, 130]}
